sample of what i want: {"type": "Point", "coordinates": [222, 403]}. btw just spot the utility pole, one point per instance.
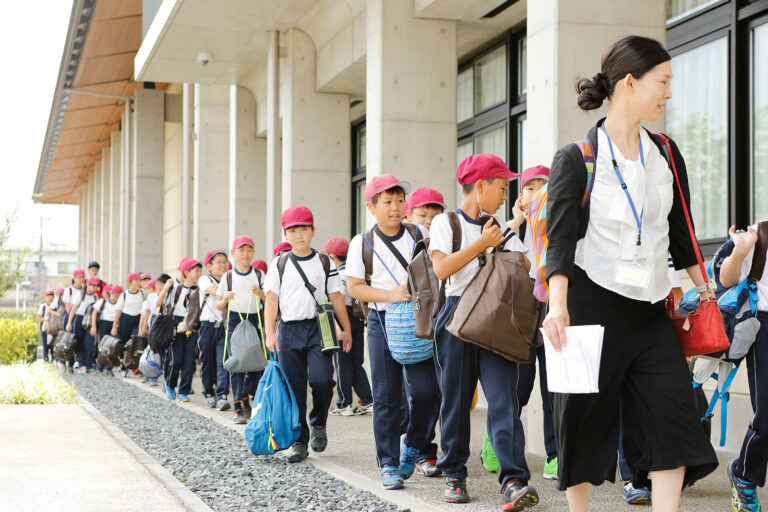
{"type": "Point", "coordinates": [40, 260]}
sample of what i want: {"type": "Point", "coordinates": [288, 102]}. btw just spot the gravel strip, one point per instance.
{"type": "Point", "coordinates": [213, 461]}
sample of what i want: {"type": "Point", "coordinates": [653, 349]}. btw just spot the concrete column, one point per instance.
{"type": "Point", "coordinates": [146, 245]}
{"type": "Point", "coordinates": [272, 235]}
{"type": "Point", "coordinates": [410, 96]}
{"type": "Point", "coordinates": [90, 250]}
{"type": "Point", "coordinates": [247, 170]}
{"type": "Point", "coordinates": [316, 142]}
{"type": "Point", "coordinates": [97, 202]}
{"type": "Point", "coordinates": [555, 63]}
{"type": "Point", "coordinates": [187, 165]}
{"type": "Point", "coordinates": [115, 165]}
{"type": "Point", "coordinates": [211, 169]}
{"type": "Point", "coordinates": [124, 254]}
{"type": "Point", "coordinates": [81, 225]}
{"type": "Point", "coordinates": [105, 203]}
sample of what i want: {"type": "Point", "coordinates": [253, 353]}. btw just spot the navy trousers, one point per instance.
{"type": "Point", "coordinates": [182, 360]}
{"type": "Point", "coordinates": [243, 384]}
{"type": "Point", "coordinates": [215, 378]}
{"type": "Point", "coordinates": [129, 325]}
{"type": "Point", "coordinates": [349, 367]}
{"type": "Point", "coordinates": [303, 362]}
{"type": "Point", "coordinates": [84, 343]}
{"type": "Point", "coordinates": [459, 366]}
{"type": "Point", "coordinates": [387, 379]}
{"type": "Point", "coordinates": [44, 339]}
{"type": "Point", "coordinates": [105, 327]}
{"type": "Point", "coordinates": [754, 451]}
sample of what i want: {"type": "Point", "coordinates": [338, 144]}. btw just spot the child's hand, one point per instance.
{"type": "Point", "coordinates": [743, 242]}
{"type": "Point", "coordinates": [258, 291]}
{"type": "Point", "coordinates": [94, 333]}
{"type": "Point", "coordinates": [346, 341]}
{"type": "Point", "coordinates": [272, 343]}
{"type": "Point", "coordinates": [492, 235]}
{"type": "Point", "coordinates": [114, 331]}
{"type": "Point", "coordinates": [229, 295]}
{"type": "Point", "coordinates": [69, 327]}
{"type": "Point", "coordinates": [399, 294]}
{"type": "Point", "coordinates": [518, 212]}
{"type": "Point", "coordinates": [168, 285]}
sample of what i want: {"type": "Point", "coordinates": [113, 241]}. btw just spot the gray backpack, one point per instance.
{"type": "Point", "coordinates": [243, 350]}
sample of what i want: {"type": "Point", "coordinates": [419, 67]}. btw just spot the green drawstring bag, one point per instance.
{"type": "Point", "coordinates": [244, 351]}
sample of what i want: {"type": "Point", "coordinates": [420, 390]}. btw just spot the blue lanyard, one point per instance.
{"type": "Point", "coordinates": [638, 219]}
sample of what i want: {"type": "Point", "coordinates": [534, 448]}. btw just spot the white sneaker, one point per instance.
{"type": "Point", "coordinates": [342, 411]}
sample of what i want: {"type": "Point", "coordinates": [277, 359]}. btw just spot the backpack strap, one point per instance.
{"type": "Point", "coordinates": [384, 238]}
{"type": "Point", "coordinates": [368, 255]}
{"type": "Point", "coordinates": [326, 261]}
{"type": "Point", "coordinates": [587, 150]}
{"type": "Point", "coordinates": [758, 256]}
{"type": "Point", "coordinates": [176, 296]}
{"type": "Point", "coordinates": [229, 280]}
{"type": "Point", "coordinates": [453, 220]}
{"type": "Point", "coordinates": [281, 264]}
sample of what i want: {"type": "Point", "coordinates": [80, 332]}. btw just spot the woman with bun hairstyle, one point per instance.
{"type": "Point", "coordinates": [634, 218]}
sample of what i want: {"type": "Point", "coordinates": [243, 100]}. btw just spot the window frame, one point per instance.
{"type": "Point", "coordinates": [358, 174]}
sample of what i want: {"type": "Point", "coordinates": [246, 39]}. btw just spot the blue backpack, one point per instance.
{"type": "Point", "coordinates": [404, 345]}
{"type": "Point", "coordinates": [275, 423]}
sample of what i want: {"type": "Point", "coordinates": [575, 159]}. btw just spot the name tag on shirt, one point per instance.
{"type": "Point", "coordinates": [633, 274]}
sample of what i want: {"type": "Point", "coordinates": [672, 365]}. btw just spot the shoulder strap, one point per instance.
{"type": "Point", "coordinates": [384, 238]}
{"type": "Point", "coordinates": [307, 284]}
{"type": "Point", "coordinates": [368, 255]}
{"type": "Point", "coordinates": [758, 256]}
{"type": "Point", "coordinates": [415, 231]}
{"type": "Point", "coordinates": [326, 261]}
{"type": "Point", "coordinates": [281, 264]}
{"type": "Point", "coordinates": [588, 155]}
{"type": "Point", "coordinates": [229, 280]}
{"type": "Point", "coordinates": [177, 295]}
{"type": "Point", "coordinates": [453, 219]}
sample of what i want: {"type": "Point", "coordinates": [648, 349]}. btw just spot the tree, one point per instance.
{"type": "Point", "coordinates": [11, 260]}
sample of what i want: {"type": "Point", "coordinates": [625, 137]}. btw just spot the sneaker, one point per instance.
{"type": "Point", "coordinates": [247, 408]}
{"type": "Point", "coordinates": [516, 496]}
{"type": "Point", "coordinates": [550, 469]}
{"type": "Point", "coordinates": [238, 418]}
{"type": "Point", "coordinates": [318, 439]}
{"type": "Point", "coordinates": [639, 496]}
{"type": "Point", "coordinates": [408, 458]}
{"type": "Point", "coordinates": [109, 372]}
{"type": "Point", "coordinates": [366, 408]}
{"type": "Point", "coordinates": [342, 411]}
{"type": "Point", "coordinates": [171, 393]}
{"type": "Point", "coordinates": [222, 404]}
{"type": "Point", "coordinates": [743, 493]}
{"type": "Point", "coordinates": [145, 380]}
{"type": "Point", "coordinates": [191, 391]}
{"type": "Point", "coordinates": [298, 452]}
{"type": "Point", "coordinates": [428, 468]}
{"type": "Point", "coordinates": [490, 462]}
{"type": "Point", "coordinates": [390, 478]}
{"type": "Point", "coordinates": [70, 369]}
{"type": "Point", "coordinates": [164, 386]}
{"type": "Point", "coordinates": [210, 401]}
{"type": "Point", "coordinates": [357, 411]}
{"type": "Point", "coordinates": [455, 490]}
{"type": "Point", "coordinates": [89, 370]}
{"type": "Point", "coordinates": [183, 398]}
{"type": "Point", "coordinates": [153, 382]}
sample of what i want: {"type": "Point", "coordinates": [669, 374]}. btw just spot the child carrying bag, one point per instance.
{"type": "Point", "coordinates": [64, 346]}
{"type": "Point", "coordinates": [244, 351]}
{"type": "Point", "coordinates": [110, 349]}
{"type": "Point", "coordinates": [275, 423]}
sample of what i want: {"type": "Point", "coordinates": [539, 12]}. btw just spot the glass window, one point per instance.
{"type": "Point", "coordinates": [463, 150]}
{"type": "Point", "coordinates": [677, 9]}
{"type": "Point", "coordinates": [30, 266]}
{"type": "Point", "coordinates": [697, 118]}
{"type": "Point", "coordinates": [360, 148]}
{"type": "Point", "coordinates": [464, 108]}
{"type": "Point", "coordinates": [493, 142]}
{"type": "Point", "coordinates": [521, 161]}
{"type": "Point", "coordinates": [759, 124]}
{"type": "Point", "coordinates": [522, 74]}
{"type": "Point", "coordinates": [361, 210]}
{"type": "Point", "coordinates": [66, 267]}
{"type": "Point", "coordinates": [491, 79]}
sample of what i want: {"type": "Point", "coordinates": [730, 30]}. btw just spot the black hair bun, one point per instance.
{"type": "Point", "coordinates": [592, 91]}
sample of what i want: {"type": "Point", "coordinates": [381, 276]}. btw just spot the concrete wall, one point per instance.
{"type": "Point", "coordinates": [172, 196]}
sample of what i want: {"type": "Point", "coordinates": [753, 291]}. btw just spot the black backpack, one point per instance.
{"type": "Point", "coordinates": [163, 330]}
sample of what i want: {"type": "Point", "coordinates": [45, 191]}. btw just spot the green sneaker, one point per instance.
{"type": "Point", "coordinates": [490, 462]}
{"type": "Point", "coordinates": [550, 470]}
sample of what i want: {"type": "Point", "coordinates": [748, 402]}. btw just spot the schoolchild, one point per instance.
{"type": "Point", "coordinates": [281, 248]}
{"type": "Point", "coordinates": [128, 313]}
{"type": "Point", "coordinates": [42, 316]}
{"type": "Point", "coordinates": [74, 293]}
{"type": "Point", "coordinates": [145, 278]}
{"type": "Point", "coordinates": [423, 206]}
{"type": "Point", "coordinates": [150, 307]}
{"type": "Point", "coordinates": [241, 299]}
{"type": "Point", "coordinates": [635, 220]}
{"type": "Point", "coordinates": [260, 265]}
{"type": "Point", "coordinates": [104, 312]}
{"type": "Point", "coordinates": [85, 342]}
{"type": "Point", "coordinates": [182, 350]}
{"type": "Point", "coordinates": [532, 180]}
{"type": "Point", "coordinates": [460, 364]}
{"type": "Point", "coordinates": [298, 339]}
{"type": "Point", "coordinates": [212, 333]}
{"type": "Point", "coordinates": [385, 199]}
{"type": "Point", "coordinates": [93, 271]}
{"type": "Point", "coordinates": [350, 373]}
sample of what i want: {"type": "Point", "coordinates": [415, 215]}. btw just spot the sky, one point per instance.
{"type": "Point", "coordinates": [32, 34]}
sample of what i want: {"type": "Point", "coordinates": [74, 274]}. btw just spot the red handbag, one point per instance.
{"type": "Point", "coordinates": [701, 331]}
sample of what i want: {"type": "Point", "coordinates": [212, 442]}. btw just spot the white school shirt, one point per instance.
{"type": "Point", "coordinates": [150, 305]}
{"type": "Point", "coordinates": [380, 276]}
{"type": "Point", "coordinates": [83, 305]}
{"type": "Point", "coordinates": [528, 242]}
{"type": "Point", "coordinates": [296, 303]}
{"type": "Point", "coordinates": [106, 309]}
{"type": "Point", "coordinates": [762, 284]}
{"type": "Point", "coordinates": [245, 300]}
{"type": "Point", "coordinates": [348, 300]}
{"type": "Point", "coordinates": [441, 239]}
{"type": "Point", "coordinates": [130, 303]}
{"type": "Point", "coordinates": [209, 312]}
{"type": "Point", "coordinates": [179, 309]}
{"type": "Point", "coordinates": [73, 295]}
{"type": "Point", "coordinates": [43, 309]}
{"type": "Point", "coordinates": [611, 236]}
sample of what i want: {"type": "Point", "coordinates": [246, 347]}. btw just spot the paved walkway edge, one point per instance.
{"type": "Point", "coordinates": [188, 499]}
{"type": "Point", "coordinates": [399, 498]}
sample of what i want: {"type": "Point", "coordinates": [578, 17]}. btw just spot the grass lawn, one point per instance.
{"type": "Point", "coordinates": [36, 383]}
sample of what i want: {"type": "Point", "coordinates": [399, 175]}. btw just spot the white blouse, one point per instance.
{"type": "Point", "coordinates": [611, 237]}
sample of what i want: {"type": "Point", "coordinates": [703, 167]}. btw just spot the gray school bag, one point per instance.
{"type": "Point", "coordinates": [243, 350]}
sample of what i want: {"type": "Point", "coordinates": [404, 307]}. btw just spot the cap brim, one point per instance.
{"type": "Point", "coordinates": [537, 177]}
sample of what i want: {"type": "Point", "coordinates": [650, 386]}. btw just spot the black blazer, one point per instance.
{"type": "Point", "coordinates": [567, 183]}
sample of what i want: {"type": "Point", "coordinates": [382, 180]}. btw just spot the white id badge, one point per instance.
{"type": "Point", "coordinates": [633, 274]}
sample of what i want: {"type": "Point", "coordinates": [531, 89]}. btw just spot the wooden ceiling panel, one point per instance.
{"type": "Point", "coordinates": [114, 36]}
{"type": "Point", "coordinates": [70, 150]}
{"type": "Point", "coordinates": [88, 117]}
{"type": "Point", "coordinates": [77, 135]}
{"type": "Point", "coordinates": [71, 163]}
{"type": "Point", "coordinates": [99, 70]}
{"type": "Point", "coordinates": [107, 9]}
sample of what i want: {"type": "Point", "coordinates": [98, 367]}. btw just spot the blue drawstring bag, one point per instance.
{"type": "Point", "coordinates": [274, 425]}
{"type": "Point", "coordinates": [404, 345]}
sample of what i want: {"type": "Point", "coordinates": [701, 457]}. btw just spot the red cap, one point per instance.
{"type": "Point", "coordinates": [93, 280]}
{"type": "Point", "coordinates": [481, 167]}
{"type": "Point", "coordinates": [188, 264]}
{"type": "Point", "coordinates": [144, 275]}
{"type": "Point", "coordinates": [106, 290]}
{"type": "Point", "coordinates": [212, 254]}
{"type": "Point", "coordinates": [297, 216]}
{"type": "Point", "coordinates": [241, 241]}
{"type": "Point", "coordinates": [132, 276]}
{"type": "Point", "coordinates": [116, 289]}
{"type": "Point", "coordinates": [260, 265]}
{"type": "Point", "coordinates": [78, 273]}
{"type": "Point", "coordinates": [384, 182]}
{"type": "Point", "coordinates": [151, 284]}
{"type": "Point", "coordinates": [59, 291]}
{"type": "Point", "coordinates": [538, 172]}
{"type": "Point", "coordinates": [423, 196]}
{"type": "Point", "coordinates": [48, 292]}
{"type": "Point", "coordinates": [282, 246]}
{"type": "Point", "coordinates": [336, 246]}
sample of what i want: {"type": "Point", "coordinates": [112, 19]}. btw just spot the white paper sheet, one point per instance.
{"type": "Point", "coordinates": [576, 368]}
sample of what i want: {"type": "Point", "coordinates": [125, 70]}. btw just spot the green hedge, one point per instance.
{"type": "Point", "coordinates": [17, 314]}
{"type": "Point", "coordinates": [15, 336]}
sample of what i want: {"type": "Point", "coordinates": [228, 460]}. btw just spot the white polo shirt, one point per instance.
{"type": "Point", "coordinates": [83, 304]}
{"type": "Point", "coordinates": [131, 303]}
{"type": "Point", "coordinates": [106, 309]}
{"type": "Point", "coordinates": [207, 301]}
{"type": "Point", "coordinates": [381, 279]}
{"type": "Point", "coordinates": [762, 284]}
{"type": "Point", "coordinates": [178, 308]}
{"type": "Point", "coordinates": [73, 295]}
{"type": "Point", "coordinates": [150, 305]}
{"type": "Point", "coordinates": [296, 303]}
{"type": "Point", "coordinates": [245, 300]}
